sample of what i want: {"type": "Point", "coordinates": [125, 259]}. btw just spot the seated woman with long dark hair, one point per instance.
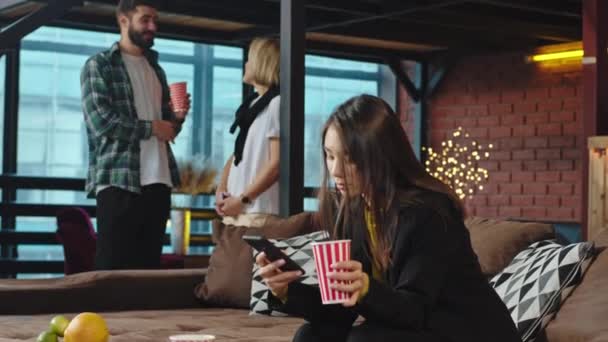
{"type": "Point", "coordinates": [413, 275]}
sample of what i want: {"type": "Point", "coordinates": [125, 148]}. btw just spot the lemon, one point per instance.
{"type": "Point", "coordinates": [58, 325]}
{"type": "Point", "coordinates": [87, 326]}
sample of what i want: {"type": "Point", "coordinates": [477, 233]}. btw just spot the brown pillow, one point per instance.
{"type": "Point", "coordinates": [496, 242]}
{"type": "Point", "coordinates": [228, 281]}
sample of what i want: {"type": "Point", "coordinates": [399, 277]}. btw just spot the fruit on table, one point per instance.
{"type": "Point", "coordinates": [47, 336]}
{"type": "Point", "coordinates": [87, 326]}
{"type": "Point", "coordinates": [58, 325]}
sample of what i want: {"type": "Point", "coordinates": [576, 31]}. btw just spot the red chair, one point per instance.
{"type": "Point", "coordinates": [75, 231]}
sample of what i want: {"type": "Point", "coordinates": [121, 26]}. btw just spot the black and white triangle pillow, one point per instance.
{"type": "Point", "coordinates": [299, 249]}
{"type": "Point", "coordinates": [538, 280]}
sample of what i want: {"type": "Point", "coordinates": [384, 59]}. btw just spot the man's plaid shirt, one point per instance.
{"type": "Point", "coordinates": [113, 128]}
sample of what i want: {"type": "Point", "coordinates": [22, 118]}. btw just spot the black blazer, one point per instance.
{"type": "Point", "coordinates": [434, 283]}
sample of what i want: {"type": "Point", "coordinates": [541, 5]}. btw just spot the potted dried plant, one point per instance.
{"type": "Point", "coordinates": [197, 176]}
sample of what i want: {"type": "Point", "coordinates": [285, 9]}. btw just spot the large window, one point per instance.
{"type": "Point", "coordinates": [329, 82]}
{"type": "Point", "coordinates": [52, 135]}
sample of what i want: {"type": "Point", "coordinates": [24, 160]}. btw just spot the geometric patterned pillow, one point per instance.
{"type": "Point", "coordinates": [538, 280]}
{"type": "Point", "coordinates": [299, 249]}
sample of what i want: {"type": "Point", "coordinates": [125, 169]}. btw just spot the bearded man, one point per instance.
{"type": "Point", "coordinates": [130, 122]}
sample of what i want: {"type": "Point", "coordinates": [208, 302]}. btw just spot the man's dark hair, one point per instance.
{"type": "Point", "coordinates": [127, 6]}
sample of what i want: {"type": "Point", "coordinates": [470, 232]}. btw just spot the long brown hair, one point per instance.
{"type": "Point", "coordinates": [388, 169]}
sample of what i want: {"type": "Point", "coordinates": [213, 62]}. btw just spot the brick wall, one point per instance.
{"type": "Point", "coordinates": [531, 113]}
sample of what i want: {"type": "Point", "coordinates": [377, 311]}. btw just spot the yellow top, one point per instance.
{"type": "Point", "coordinates": [373, 238]}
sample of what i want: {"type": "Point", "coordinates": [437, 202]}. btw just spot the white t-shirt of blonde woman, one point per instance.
{"type": "Point", "coordinates": [256, 154]}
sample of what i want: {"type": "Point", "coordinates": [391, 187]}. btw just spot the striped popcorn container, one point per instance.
{"type": "Point", "coordinates": [327, 253]}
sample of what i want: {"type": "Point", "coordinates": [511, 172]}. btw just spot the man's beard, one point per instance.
{"type": "Point", "coordinates": [138, 38]}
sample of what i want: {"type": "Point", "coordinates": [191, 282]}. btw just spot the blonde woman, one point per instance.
{"type": "Point", "coordinates": [248, 191]}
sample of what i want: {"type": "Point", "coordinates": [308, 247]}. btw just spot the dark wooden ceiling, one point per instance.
{"type": "Point", "coordinates": [403, 28]}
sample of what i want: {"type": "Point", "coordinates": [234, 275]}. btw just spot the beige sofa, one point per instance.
{"type": "Point", "coordinates": [152, 305]}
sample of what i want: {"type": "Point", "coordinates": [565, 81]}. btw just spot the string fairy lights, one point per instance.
{"type": "Point", "coordinates": [457, 163]}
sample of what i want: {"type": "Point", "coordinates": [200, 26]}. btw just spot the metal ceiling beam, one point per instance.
{"type": "Point", "coordinates": [7, 4]}
{"type": "Point", "coordinates": [344, 6]}
{"type": "Point", "coordinates": [11, 35]}
{"type": "Point", "coordinates": [254, 12]}
{"type": "Point", "coordinates": [390, 14]}
{"type": "Point", "coordinates": [359, 15]}
{"type": "Point", "coordinates": [314, 18]}
{"type": "Point", "coordinates": [459, 19]}
{"type": "Point", "coordinates": [226, 10]}
{"type": "Point", "coordinates": [568, 13]}
{"type": "Point", "coordinates": [431, 35]}
{"type": "Point", "coordinates": [403, 10]}
{"type": "Point", "coordinates": [364, 53]}
{"type": "Point", "coordinates": [369, 54]}
{"type": "Point", "coordinates": [441, 66]}
{"type": "Point", "coordinates": [436, 79]}
{"type": "Point", "coordinates": [413, 91]}
{"type": "Point", "coordinates": [108, 24]}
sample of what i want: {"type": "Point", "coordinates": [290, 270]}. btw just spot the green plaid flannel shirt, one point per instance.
{"type": "Point", "coordinates": [113, 128]}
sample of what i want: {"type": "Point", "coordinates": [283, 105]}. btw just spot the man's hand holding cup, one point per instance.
{"type": "Point", "coordinates": [180, 100]}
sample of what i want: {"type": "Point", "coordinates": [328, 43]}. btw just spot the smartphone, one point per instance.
{"type": "Point", "coordinates": [273, 253]}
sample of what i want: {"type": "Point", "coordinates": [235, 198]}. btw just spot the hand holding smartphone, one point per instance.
{"type": "Point", "coordinates": [273, 253]}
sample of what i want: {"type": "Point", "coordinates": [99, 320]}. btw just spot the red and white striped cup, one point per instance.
{"type": "Point", "coordinates": [326, 253]}
{"type": "Point", "coordinates": [178, 91]}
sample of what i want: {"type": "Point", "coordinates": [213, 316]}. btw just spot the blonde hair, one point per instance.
{"type": "Point", "coordinates": [266, 61]}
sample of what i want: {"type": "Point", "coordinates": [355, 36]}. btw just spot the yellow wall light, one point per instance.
{"type": "Point", "coordinates": [557, 55]}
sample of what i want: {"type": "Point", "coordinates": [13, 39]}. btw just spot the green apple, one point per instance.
{"type": "Point", "coordinates": [58, 325]}
{"type": "Point", "coordinates": [47, 336]}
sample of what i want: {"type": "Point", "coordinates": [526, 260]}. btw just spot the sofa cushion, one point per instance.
{"type": "Point", "coordinates": [537, 281]}
{"type": "Point", "coordinates": [299, 249]}
{"type": "Point", "coordinates": [583, 317]}
{"type": "Point", "coordinates": [228, 281]}
{"type": "Point", "coordinates": [496, 242]}
{"type": "Point", "coordinates": [101, 290]}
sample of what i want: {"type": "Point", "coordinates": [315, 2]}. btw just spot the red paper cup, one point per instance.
{"type": "Point", "coordinates": [179, 96]}
{"type": "Point", "coordinates": [326, 253]}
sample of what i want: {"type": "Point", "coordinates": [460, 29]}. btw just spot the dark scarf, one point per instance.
{"type": "Point", "coordinates": [245, 116]}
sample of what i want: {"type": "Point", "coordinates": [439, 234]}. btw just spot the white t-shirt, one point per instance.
{"type": "Point", "coordinates": [147, 95]}
{"type": "Point", "coordinates": [256, 154]}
